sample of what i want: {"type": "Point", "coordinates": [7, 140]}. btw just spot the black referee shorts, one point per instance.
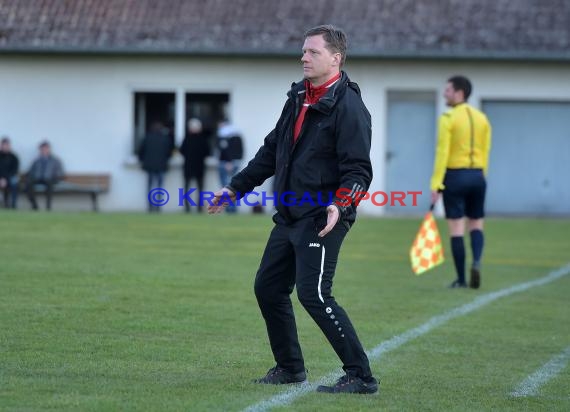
{"type": "Point", "coordinates": [464, 193]}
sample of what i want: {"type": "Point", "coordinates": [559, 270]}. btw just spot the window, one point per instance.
{"type": "Point", "coordinates": [153, 107]}
{"type": "Point", "coordinates": [150, 107]}
{"type": "Point", "coordinates": [210, 108]}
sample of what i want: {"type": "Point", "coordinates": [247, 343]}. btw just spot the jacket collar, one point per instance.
{"type": "Point", "coordinates": [328, 101]}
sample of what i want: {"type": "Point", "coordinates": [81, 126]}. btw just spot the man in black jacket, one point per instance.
{"type": "Point", "coordinates": [195, 148]}
{"type": "Point", "coordinates": [9, 166]}
{"type": "Point", "coordinates": [154, 152]}
{"type": "Point", "coordinates": [320, 146]}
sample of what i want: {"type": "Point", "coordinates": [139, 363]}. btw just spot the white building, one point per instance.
{"type": "Point", "coordinates": [87, 78]}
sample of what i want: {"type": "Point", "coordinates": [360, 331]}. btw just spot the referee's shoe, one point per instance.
{"type": "Point", "coordinates": [475, 280]}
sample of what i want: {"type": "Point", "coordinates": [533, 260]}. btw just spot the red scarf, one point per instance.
{"type": "Point", "coordinates": [312, 96]}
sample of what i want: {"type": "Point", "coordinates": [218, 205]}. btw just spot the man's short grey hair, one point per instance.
{"type": "Point", "coordinates": [194, 124]}
{"type": "Point", "coordinates": [334, 37]}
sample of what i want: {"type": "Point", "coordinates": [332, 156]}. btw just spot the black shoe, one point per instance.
{"type": "Point", "coordinates": [279, 376]}
{"type": "Point", "coordinates": [351, 384]}
{"type": "Point", "coordinates": [475, 280]}
{"type": "Point", "coordinates": [457, 284]}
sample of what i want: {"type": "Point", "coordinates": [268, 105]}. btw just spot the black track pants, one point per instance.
{"type": "Point", "coordinates": [295, 255]}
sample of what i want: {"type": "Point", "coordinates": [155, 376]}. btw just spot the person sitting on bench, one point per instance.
{"type": "Point", "coordinates": [46, 170]}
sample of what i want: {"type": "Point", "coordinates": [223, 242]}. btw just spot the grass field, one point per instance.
{"type": "Point", "coordinates": [106, 312]}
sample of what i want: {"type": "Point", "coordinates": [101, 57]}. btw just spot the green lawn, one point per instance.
{"type": "Point", "coordinates": [105, 312]}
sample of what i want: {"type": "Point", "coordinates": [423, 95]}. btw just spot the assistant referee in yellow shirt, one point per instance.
{"type": "Point", "coordinates": [461, 161]}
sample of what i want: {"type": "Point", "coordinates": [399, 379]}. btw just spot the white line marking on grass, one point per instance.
{"type": "Point", "coordinates": [294, 392]}
{"type": "Point", "coordinates": [532, 383]}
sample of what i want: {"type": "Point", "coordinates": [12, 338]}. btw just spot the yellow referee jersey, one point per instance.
{"type": "Point", "coordinates": [463, 142]}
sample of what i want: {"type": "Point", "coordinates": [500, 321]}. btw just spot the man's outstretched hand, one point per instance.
{"type": "Point", "coordinates": [222, 194]}
{"type": "Point", "coordinates": [219, 205]}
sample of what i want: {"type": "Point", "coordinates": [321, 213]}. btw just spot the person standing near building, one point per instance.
{"type": "Point", "coordinates": [154, 152]}
{"type": "Point", "coordinates": [9, 167]}
{"type": "Point", "coordinates": [320, 144]}
{"type": "Point", "coordinates": [230, 147]}
{"type": "Point", "coordinates": [460, 169]}
{"type": "Point", "coordinates": [194, 149]}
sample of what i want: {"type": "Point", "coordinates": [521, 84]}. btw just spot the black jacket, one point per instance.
{"type": "Point", "coordinates": [9, 165]}
{"type": "Point", "coordinates": [155, 151]}
{"type": "Point", "coordinates": [195, 148]}
{"type": "Point", "coordinates": [332, 152]}
{"type": "Point", "coordinates": [230, 144]}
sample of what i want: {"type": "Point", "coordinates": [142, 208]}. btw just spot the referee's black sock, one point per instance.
{"type": "Point", "coordinates": [477, 242]}
{"type": "Point", "coordinates": [458, 251]}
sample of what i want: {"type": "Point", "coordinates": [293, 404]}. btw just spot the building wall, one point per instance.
{"type": "Point", "coordinates": [84, 105]}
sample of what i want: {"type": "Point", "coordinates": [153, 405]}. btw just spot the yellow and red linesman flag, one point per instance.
{"type": "Point", "coordinates": [426, 251]}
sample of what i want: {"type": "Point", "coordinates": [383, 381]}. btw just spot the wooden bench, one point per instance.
{"type": "Point", "coordinates": [91, 184]}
